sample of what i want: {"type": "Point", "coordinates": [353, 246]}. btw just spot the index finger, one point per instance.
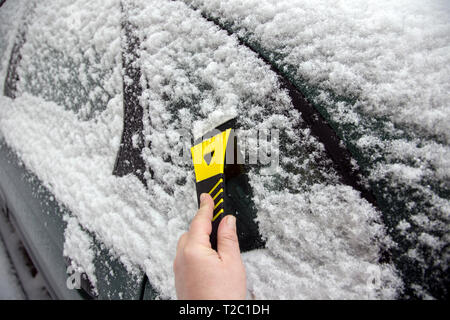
{"type": "Point", "coordinates": [201, 226]}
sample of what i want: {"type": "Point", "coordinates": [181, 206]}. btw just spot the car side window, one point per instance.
{"type": "Point", "coordinates": [65, 61]}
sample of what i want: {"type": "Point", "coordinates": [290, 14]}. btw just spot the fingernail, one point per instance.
{"type": "Point", "coordinates": [231, 221]}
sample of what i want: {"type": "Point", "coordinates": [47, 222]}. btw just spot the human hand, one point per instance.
{"type": "Point", "coordinates": [202, 273]}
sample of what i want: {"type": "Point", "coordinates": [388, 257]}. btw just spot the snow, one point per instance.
{"type": "Point", "coordinates": [234, 81]}
{"type": "Point", "coordinates": [379, 51]}
{"type": "Point", "coordinates": [10, 16]}
{"type": "Point", "coordinates": [121, 213]}
{"type": "Point", "coordinates": [324, 246]}
{"type": "Point", "coordinates": [9, 284]}
{"type": "Point", "coordinates": [78, 245]}
{"type": "Point", "coordinates": [380, 71]}
{"type": "Point", "coordinates": [74, 159]}
{"type": "Point", "coordinates": [85, 63]}
{"type": "Point", "coordinates": [323, 239]}
{"type": "Point", "coordinates": [403, 226]}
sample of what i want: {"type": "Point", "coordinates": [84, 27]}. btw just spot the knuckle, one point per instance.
{"type": "Point", "coordinates": [203, 213]}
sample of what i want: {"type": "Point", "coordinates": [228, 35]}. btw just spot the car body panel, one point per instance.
{"type": "Point", "coordinates": [40, 221]}
{"type": "Point", "coordinates": [37, 215]}
{"type": "Point", "coordinates": [29, 214]}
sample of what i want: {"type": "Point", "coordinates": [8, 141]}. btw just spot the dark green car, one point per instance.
{"type": "Point", "coordinates": [343, 192]}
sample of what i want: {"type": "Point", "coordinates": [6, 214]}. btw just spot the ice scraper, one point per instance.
{"type": "Point", "coordinates": [209, 157]}
{"type": "Point", "coordinates": [219, 173]}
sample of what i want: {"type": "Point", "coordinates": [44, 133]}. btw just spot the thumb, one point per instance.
{"type": "Point", "coordinates": [200, 228]}
{"type": "Point", "coordinates": [227, 240]}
